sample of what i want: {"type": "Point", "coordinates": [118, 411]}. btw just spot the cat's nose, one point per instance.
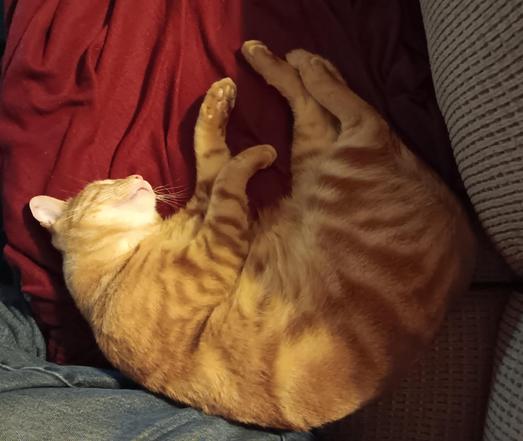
{"type": "Point", "coordinates": [136, 177]}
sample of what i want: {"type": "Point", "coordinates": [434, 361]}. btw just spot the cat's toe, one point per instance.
{"type": "Point", "coordinates": [267, 154]}
{"type": "Point", "coordinates": [299, 57]}
{"type": "Point", "coordinates": [229, 92]}
{"type": "Point", "coordinates": [302, 59]}
{"type": "Point", "coordinates": [225, 93]}
{"type": "Point", "coordinates": [249, 48]}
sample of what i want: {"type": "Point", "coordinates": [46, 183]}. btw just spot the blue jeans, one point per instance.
{"type": "Point", "coordinates": [41, 401]}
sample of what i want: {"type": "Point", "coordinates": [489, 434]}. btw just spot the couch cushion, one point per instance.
{"type": "Point", "coordinates": [443, 396]}
{"type": "Point", "coordinates": [505, 411]}
{"type": "Point", "coordinates": [476, 52]}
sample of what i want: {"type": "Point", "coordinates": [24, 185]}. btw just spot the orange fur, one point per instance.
{"type": "Point", "coordinates": [294, 320]}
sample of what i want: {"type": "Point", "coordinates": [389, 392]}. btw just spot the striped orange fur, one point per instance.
{"type": "Point", "coordinates": [290, 321]}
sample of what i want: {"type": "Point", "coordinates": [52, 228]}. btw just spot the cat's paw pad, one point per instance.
{"type": "Point", "coordinates": [218, 102]}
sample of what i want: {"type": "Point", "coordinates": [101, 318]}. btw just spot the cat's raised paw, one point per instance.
{"type": "Point", "coordinates": [218, 102]}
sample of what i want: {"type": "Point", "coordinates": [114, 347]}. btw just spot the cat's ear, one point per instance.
{"type": "Point", "coordinates": [46, 209]}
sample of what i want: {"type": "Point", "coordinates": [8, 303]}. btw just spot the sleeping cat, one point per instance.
{"type": "Point", "coordinates": [294, 320]}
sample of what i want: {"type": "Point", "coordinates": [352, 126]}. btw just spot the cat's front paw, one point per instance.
{"type": "Point", "coordinates": [218, 102]}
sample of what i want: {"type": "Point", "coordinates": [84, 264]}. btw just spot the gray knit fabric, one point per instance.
{"type": "Point", "coordinates": [505, 411]}
{"type": "Point", "coordinates": [476, 51]}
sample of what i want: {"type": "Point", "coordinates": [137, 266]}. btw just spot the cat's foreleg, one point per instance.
{"type": "Point", "coordinates": [211, 150]}
{"type": "Point", "coordinates": [223, 240]}
{"type": "Point", "coordinates": [314, 128]}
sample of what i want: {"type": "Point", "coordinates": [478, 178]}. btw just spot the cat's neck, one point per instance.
{"type": "Point", "coordinates": [94, 260]}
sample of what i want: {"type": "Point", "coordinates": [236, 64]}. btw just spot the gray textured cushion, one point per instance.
{"type": "Point", "coordinates": [505, 412]}
{"type": "Point", "coordinates": [476, 52]}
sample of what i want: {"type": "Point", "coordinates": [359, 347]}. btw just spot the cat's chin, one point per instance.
{"type": "Point", "coordinates": [139, 190]}
{"type": "Point", "coordinates": [141, 201]}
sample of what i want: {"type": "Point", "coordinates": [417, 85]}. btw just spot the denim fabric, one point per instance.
{"type": "Point", "coordinates": [42, 401]}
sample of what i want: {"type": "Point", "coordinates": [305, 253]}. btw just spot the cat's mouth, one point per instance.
{"type": "Point", "coordinates": [142, 188]}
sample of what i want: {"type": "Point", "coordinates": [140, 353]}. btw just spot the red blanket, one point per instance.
{"type": "Point", "coordinates": [107, 88]}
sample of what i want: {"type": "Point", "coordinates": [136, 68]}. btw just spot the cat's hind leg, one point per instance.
{"type": "Point", "coordinates": [314, 128]}
{"type": "Point", "coordinates": [361, 124]}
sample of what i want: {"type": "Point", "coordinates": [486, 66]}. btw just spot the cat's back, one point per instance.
{"type": "Point", "coordinates": [376, 245]}
{"type": "Point", "coordinates": [366, 220]}
{"type": "Point", "coordinates": [394, 242]}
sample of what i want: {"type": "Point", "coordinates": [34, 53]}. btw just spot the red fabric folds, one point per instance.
{"type": "Point", "coordinates": [100, 88]}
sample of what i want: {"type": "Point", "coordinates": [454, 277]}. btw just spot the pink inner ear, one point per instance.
{"type": "Point", "coordinates": [46, 209]}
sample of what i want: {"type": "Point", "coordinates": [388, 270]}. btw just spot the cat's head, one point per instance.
{"type": "Point", "coordinates": [117, 205]}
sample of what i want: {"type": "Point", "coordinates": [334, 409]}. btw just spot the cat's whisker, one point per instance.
{"type": "Point", "coordinates": [176, 196]}
{"type": "Point", "coordinates": [171, 201]}
{"type": "Point", "coordinates": [174, 204]}
{"type": "Point", "coordinates": [170, 186]}
{"type": "Point", "coordinates": [165, 189]}
{"type": "Point", "coordinates": [174, 186]}
{"type": "Point", "coordinates": [178, 193]}
{"type": "Point", "coordinates": [172, 195]}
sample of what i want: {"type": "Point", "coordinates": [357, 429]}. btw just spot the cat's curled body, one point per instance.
{"type": "Point", "coordinates": [296, 319]}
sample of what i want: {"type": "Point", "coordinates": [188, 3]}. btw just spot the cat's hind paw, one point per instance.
{"type": "Point", "coordinates": [302, 60]}
{"type": "Point", "coordinates": [251, 46]}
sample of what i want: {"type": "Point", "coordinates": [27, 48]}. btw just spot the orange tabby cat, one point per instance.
{"type": "Point", "coordinates": [294, 320]}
